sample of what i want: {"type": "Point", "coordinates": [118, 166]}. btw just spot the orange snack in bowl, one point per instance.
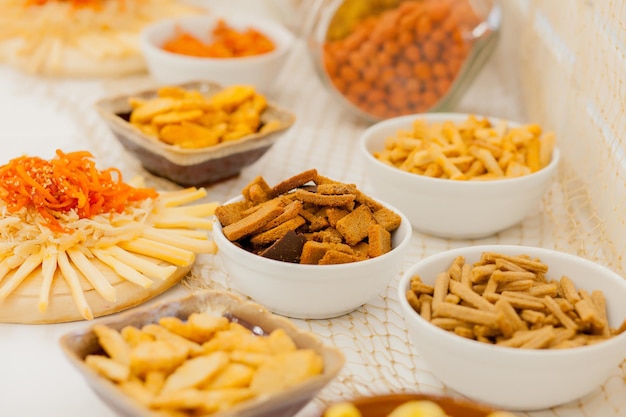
{"type": "Point", "coordinates": [227, 43]}
{"type": "Point", "coordinates": [404, 59]}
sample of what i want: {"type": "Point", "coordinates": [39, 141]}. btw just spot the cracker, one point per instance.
{"type": "Point", "coordinates": [324, 200]}
{"type": "Point", "coordinates": [230, 213]}
{"type": "Point", "coordinates": [354, 226]}
{"type": "Point", "coordinates": [379, 240]}
{"type": "Point", "coordinates": [320, 209]}
{"type": "Point", "coordinates": [332, 257]}
{"type": "Point", "coordinates": [291, 211]}
{"type": "Point", "coordinates": [297, 180]}
{"type": "Point", "coordinates": [387, 218]}
{"type": "Point", "coordinates": [277, 232]}
{"type": "Point", "coordinates": [253, 222]}
{"type": "Point", "coordinates": [312, 252]}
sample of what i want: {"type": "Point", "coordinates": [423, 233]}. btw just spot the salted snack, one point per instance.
{"type": "Point", "coordinates": [390, 58]}
{"type": "Point", "coordinates": [510, 301]}
{"type": "Point", "coordinates": [308, 219]}
{"type": "Point", "coordinates": [200, 365]}
{"type": "Point", "coordinates": [190, 120]}
{"type": "Point", "coordinates": [411, 408]}
{"type": "Point", "coordinates": [80, 37]}
{"type": "Point", "coordinates": [473, 149]}
{"type": "Point", "coordinates": [226, 42]}
{"type": "Point", "coordinates": [77, 242]}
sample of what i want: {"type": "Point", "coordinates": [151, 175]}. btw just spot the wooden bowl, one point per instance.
{"type": "Point", "coordinates": [382, 405]}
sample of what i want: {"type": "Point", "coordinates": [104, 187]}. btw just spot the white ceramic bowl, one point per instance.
{"type": "Point", "coordinates": [514, 378]}
{"type": "Point", "coordinates": [448, 208]}
{"type": "Point", "coordinates": [171, 68]}
{"type": "Point", "coordinates": [311, 291]}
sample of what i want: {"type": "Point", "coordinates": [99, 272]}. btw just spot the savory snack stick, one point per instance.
{"type": "Point", "coordinates": [76, 37]}
{"type": "Point", "coordinates": [480, 302]}
{"type": "Point", "coordinates": [308, 219]}
{"type": "Point", "coordinates": [474, 149]}
{"type": "Point", "coordinates": [200, 365]}
{"type": "Point", "coordinates": [189, 119]}
{"type": "Point", "coordinates": [77, 242]}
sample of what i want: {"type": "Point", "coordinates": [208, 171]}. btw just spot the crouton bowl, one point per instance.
{"type": "Point", "coordinates": [308, 286]}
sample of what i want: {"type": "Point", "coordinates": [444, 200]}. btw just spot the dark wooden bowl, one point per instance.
{"type": "Point", "coordinates": [382, 405]}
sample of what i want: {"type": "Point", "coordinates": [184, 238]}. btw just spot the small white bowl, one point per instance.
{"type": "Point", "coordinates": [311, 291]}
{"type": "Point", "coordinates": [514, 378]}
{"type": "Point", "coordinates": [449, 208]}
{"type": "Point", "coordinates": [171, 68]}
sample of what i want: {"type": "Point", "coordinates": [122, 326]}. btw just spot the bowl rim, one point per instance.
{"type": "Point", "coordinates": [474, 346]}
{"type": "Point", "coordinates": [282, 37]}
{"type": "Point", "coordinates": [368, 135]}
{"type": "Point", "coordinates": [403, 244]}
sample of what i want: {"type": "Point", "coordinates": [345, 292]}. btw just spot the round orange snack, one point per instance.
{"type": "Point", "coordinates": [402, 60]}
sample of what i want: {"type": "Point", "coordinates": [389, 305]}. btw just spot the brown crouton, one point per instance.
{"type": "Point", "coordinates": [232, 212]}
{"type": "Point", "coordinates": [252, 222]}
{"type": "Point", "coordinates": [354, 226]}
{"type": "Point", "coordinates": [387, 218]}
{"type": "Point", "coordinates": [277, 232]}
{"type": "Point", "coordinates": [379, 240]}
{"type": "Point", "coordinates": [312, 252]}
{"type": "Point", "coordinates": [332, 257]}
{"type": "Point", "coordinates": [289, 184]}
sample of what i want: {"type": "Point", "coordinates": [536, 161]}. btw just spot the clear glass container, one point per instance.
{"type": "Point", "coordinates": [387, 58]}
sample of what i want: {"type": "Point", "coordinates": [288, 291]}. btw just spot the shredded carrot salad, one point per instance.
{"type": "Point", "coordinates": [227, 43]}
{"type": "Point", "coordinates": [70, 181]}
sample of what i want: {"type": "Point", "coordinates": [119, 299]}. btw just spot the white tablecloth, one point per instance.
{"type": "Point", "coordinates": [39, 115]}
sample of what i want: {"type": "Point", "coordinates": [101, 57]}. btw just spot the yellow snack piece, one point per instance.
{"type": "Point", "coordinates": [474, 149]}
{"type": "Point", "coordinates": [201, 364]}
{"type": "Point", "coordinates": [188, 119]}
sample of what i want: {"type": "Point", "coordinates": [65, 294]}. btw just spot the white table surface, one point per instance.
{"type": "Point", "coordinates": [39, 115]}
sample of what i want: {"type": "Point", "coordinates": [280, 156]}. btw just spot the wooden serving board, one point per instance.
{"type": "Point", "coordinates": [21, 306]}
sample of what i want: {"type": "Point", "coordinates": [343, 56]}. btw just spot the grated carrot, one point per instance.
{"type": "Point", "coordinates": [68, 182]}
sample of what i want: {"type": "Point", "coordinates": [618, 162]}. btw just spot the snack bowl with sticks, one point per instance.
{"type": "Point", "coordinates": [517, 327]}
{"type": "Point", "coordinates": [210, 352]}
{"type": "Point", "coordinates": [196, 52]}
{"type": "Point", "coordinates": [196, 152]}
{"type": "Point", "coordinates": [457, 175]}
{"type": "Point", "coordinates": [303, 274]}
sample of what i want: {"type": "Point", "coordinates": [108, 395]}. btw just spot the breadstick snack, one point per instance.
{"type": "Point", "coordinates": [512, 301]}
{"type": "Point", "coordinates": [308, 219]}
{"type": "Point", "coordinates": [77, 242]}
{"type": "Point", "coordinates": [471, 150]}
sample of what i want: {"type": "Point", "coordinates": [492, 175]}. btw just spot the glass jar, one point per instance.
{"type": "Point", "coordinates": [386, 58]}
